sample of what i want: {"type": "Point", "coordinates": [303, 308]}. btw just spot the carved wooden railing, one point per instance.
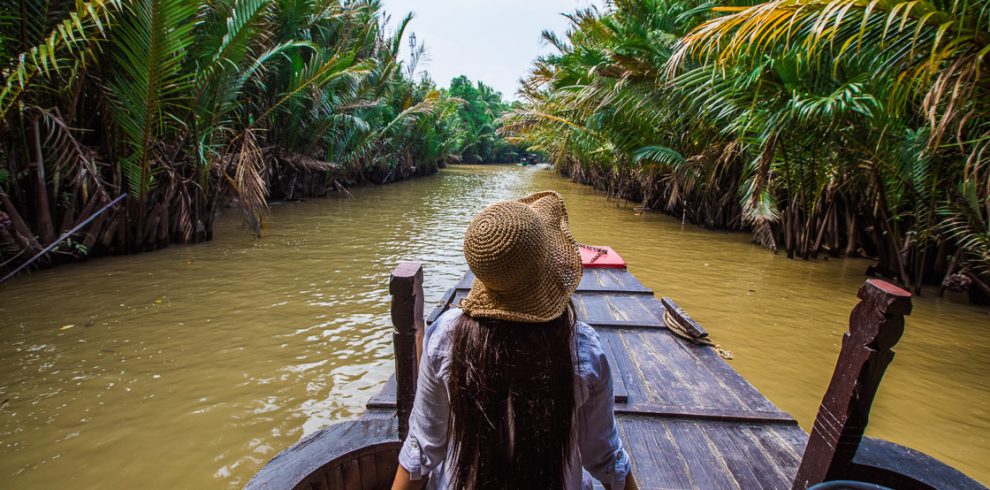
{"type": "Point", "coordinates": [876, 324]}
{"type": "Point", "coordinates": [836, 447]}
{"type": "Point", "coordinates": [406, 288]}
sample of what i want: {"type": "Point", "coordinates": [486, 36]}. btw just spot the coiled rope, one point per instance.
{"type": "Point", "coordinates": [679, 330]}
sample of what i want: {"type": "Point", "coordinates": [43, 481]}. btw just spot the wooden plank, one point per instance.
{"type": "Point", "coordinates": [369, 471]}
{"type": "Point", "coordinates": [434, 314]}
{"type": "Point", "coordinates": [612, 278]}
{"type": "Point", "coordinates": [626, 324]}
{"type": "Point", "coordinates": [352, 474]}
{"type": "Point", "coordinates": [386, 462]}
{"type": "Point", "coordinates": [385, 398]}
{"type": "Point", "coordinates": [659, 461]}
{"type": "Point", "coordinates": [779, 449]}
{"type": "Point", "coordinates": [730, 380]}
{"type": "Point", "coordinates": [618, 382]}
{"type": "Point", "coordinates": [693, 328]}
{"type": "Point", "coordinates": [616, 311]}
{"type": "Point", "coordinates": [712, 414]}
{"type": "Point", "coordinates": [658, 367]}
{"type": "Point", "coordinates": [379, 413]}
{"type": "Point", "coordinates": [609, 311]}
{"type": "Point", "coordinates": [579, 310]}
{"type": "Point", "coordinates": [629, 307]}
{"type": "Point", "coordinates": [770, 473]}
{"type": "Point", "coordinates": [321, 483]}
{"type": "Point", "coordinates": [676, 372]}
{"type": "Point", "coordinates": [337, 478]}
{"type": "Point", "coordinates": [688, 360]}
{"type": "Point", "coordinates": [631, 377]}
{"type": "Point", "coordinates": [610, 290]}
{"type": "Point", "coordinates": [719, 370]}
{"type": "Point", "coordinates": [736, 458]}
{"type": "Point", "coordinates": [594, 308]}
{"type": "Point", "coordinates": [441, 306]}
{"type": "Point", "coordinates": [706, 467]}
{"type": "Point", "coordinates": [592, 278]}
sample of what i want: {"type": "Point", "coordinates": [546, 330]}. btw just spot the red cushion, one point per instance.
{"type": "Point", "coordinates": [609, 260]}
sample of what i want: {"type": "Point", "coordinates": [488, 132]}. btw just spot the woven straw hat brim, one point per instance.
{"type": "Point", "coordinates": [525, 260]}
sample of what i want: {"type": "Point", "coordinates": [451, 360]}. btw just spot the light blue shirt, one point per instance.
{"type": "Point", "coordinates": [598, 448]}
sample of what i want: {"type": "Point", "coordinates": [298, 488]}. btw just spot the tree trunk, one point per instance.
{"type": "Point", "coordinates": [45, 227]}
{"type": "Point", "coordinates": [20, 227]}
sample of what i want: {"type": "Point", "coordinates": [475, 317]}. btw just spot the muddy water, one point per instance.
{"type": "Point", "coordinates": [192, 366]}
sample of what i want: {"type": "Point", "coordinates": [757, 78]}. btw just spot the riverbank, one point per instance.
{"type": "Point", "coordinates": [244, 346]}
{"type": "Point", "coordinates": [300, 178]}
{"type": "Point", "coordinates": [651, 188]}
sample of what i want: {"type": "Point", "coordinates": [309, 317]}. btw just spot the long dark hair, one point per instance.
{"type": "Point", "coordinates": [511, 391]}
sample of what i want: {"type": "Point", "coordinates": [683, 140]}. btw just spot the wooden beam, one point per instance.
{"type": "Point", "coordinates": [692, 327]}
{"type": "Point", "coordinates": [875, 326]}
{"type": "Point", "coordinates": [645, 323]}
{"type": "Point", "coordinates": [406, 288]}
{"type": "Point", "coordinates": [699, 413]}
{"type": "Point", "coordinates": [442, 306]}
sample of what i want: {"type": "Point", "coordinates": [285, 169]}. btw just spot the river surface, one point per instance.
{"type": "Point", "coordinates": [192, 366]}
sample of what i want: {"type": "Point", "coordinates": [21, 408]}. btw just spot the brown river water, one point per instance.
{"type": "Point", "coordinates": [192, 366]}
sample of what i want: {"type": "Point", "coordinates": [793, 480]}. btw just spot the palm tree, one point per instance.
{"type": "Point", "coordinates": [842, 127]}
{"type": "Point", "coordinates": [185, 105]}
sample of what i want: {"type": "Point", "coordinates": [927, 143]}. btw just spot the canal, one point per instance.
{"type": "Point", "coordinates": [192, 366]}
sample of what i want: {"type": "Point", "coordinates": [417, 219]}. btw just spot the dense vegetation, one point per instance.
{"type": "Point", "coordinates": [188, 106]}
{"type": "Point", "coordinates": [844, 127]}
{"type": "Point", "coordinates": [478, 116]}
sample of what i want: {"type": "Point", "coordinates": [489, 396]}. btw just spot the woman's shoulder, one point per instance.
{"type": "Point", "coordinates": [436, 338]}
{"type": "Point", "coordinates": [590, 353]}
{"type": "Point", "coordinates": [587, 338]}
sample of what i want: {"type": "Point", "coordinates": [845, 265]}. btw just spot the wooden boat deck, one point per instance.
{"type": "Point", "coordinates": [688, 419]}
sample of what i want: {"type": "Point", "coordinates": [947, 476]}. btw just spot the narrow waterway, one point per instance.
{"type": "Point", "coordinates": [192, 366]}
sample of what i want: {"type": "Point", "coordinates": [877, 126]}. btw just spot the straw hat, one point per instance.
{"type": "Point", "coordinates": [524, 258]}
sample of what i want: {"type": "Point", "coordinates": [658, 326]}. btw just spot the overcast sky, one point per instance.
{"type": "Point", "coordinates": [489, 40]}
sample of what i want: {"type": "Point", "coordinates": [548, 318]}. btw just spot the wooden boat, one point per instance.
{"type": "Point", "coordinates": [686, 417]}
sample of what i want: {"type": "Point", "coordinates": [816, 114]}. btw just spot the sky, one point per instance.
{"type": "Point", "coordinates": [494, 41]}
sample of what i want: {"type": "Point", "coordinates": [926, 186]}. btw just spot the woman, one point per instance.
{"type": "Point", "coordinates": [513, 391]}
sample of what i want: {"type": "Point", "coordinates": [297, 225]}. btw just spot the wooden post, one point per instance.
{"type": "Point", "coordinates": [876, 324]}
{"type": "Point", "coordinates": [406, 288]}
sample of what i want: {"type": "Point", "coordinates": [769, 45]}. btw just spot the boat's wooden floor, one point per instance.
{"type": "Point", "coordinates": [688, 420]}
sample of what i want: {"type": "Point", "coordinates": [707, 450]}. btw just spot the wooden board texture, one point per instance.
{"type": "Point", "coordinates": [688, 419]}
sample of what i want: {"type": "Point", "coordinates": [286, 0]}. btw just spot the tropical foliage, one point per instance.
{"type": "Point", "coordinates": [844, 127]}
{"type": "Point", "coordinates": [477, 118]}
{"type": "Point", "coordinates": [188, 106]}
